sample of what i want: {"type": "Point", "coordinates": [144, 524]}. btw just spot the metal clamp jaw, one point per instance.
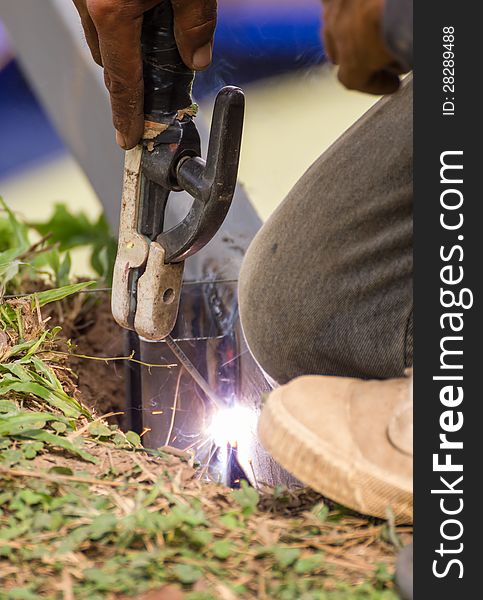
{"type": "Point", "coordinates": [149, 266]}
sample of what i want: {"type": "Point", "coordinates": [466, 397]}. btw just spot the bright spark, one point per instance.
{"type": "Point", "coordinates": [233, 426]}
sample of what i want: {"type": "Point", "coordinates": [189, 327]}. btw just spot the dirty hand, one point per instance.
{"type": "Point", "coordinates": [354, 40]}
{"type": "Point", "coordinates": [113, 32]}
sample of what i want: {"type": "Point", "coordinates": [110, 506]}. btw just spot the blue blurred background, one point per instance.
{"type": "Point", "coordinates": [254, 39]}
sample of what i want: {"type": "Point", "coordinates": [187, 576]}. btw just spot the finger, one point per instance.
{"type": "Point", "coordinates": [383, 82]}
{"type": "Point", "coordinates": [194, 28]}
{"type": "Point", "coordinates": [396, 67]}
{"type": "Point", "coordinates": [119, 33]}
{"type": "Point", "coordinates": [89, 30]}
{"type": "Point", "coordinates": [355, 77]}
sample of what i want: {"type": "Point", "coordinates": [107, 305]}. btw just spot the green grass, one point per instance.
{"type": "Point", "coordinates": [87, 513]}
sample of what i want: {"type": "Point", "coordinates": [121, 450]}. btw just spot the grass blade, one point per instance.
{"type": "Point", "coordinates": [21, 422]}
{"type": "Point", "coordinates": [67, 405]}
{"type": "Point", "coordinates": [48, 296]}
{"type": "Point", "coordinates": [57, 440]}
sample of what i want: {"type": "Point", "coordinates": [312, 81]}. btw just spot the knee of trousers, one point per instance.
{"type": "Point", "coordinates": [275, 323]}
{"type": "Point", "coordinates": [257, 314]}
{"type": "Point", "coordinates": [295, 330]}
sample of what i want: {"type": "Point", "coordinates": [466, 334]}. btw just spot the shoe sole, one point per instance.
{"type": "Point", "coordinates": [357, 485]}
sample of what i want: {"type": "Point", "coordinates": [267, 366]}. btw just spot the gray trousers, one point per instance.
{"type": "Point", "coordinates": [326, 285]}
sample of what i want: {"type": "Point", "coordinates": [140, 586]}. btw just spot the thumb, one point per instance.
{"type": "Point", "coordinates": [194, 28]}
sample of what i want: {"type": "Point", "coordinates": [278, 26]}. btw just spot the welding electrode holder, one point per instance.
{"type": "Point", "coordinates": [149, 265]}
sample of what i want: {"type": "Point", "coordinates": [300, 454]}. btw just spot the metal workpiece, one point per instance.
{"type": "Point", "coordinates": [218, 426]}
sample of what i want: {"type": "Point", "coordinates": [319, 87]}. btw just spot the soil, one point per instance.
{"type": "Point", "coordinates": [95, 334]}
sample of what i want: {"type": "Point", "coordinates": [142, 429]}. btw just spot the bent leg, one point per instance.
{"type": "Point", "coordinates": [326, 285]}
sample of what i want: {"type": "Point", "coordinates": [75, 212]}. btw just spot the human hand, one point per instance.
{"type": "Point", "coordinates": [113, 33]}
{"type": "Point", "coordinates": [354, 40]}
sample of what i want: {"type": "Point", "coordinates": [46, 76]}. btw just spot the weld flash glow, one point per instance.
{"type": "Point", "coordinates": [233, 427]}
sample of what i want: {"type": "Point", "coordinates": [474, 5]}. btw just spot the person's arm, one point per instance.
{"type": "Point", "coordinates": [113, 33]}
{"type": "Point", "coordinates": [370, 40]}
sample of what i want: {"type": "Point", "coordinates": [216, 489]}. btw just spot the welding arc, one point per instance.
{"type": "Point", "coordinates": [193, 371]}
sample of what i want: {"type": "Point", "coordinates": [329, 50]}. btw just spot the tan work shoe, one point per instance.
{"type": "Point", "coordinates": [349, 439]}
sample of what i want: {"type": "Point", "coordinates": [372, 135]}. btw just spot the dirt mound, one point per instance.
{"type": "Point", "coordinates": [96, 335]}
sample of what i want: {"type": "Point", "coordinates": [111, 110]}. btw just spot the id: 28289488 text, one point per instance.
{"type": "Point", "coordinates": [448, 80]}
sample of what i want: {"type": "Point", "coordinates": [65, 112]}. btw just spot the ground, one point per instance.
{"type": "Point", "coordinates": [86, 513]}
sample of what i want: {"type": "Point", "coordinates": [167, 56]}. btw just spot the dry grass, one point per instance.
{"type": "Point", "coordinates": [87, 513]}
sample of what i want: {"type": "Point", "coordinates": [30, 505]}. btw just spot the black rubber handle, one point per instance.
{"type": "Point", "coordinates": [167, 80]}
